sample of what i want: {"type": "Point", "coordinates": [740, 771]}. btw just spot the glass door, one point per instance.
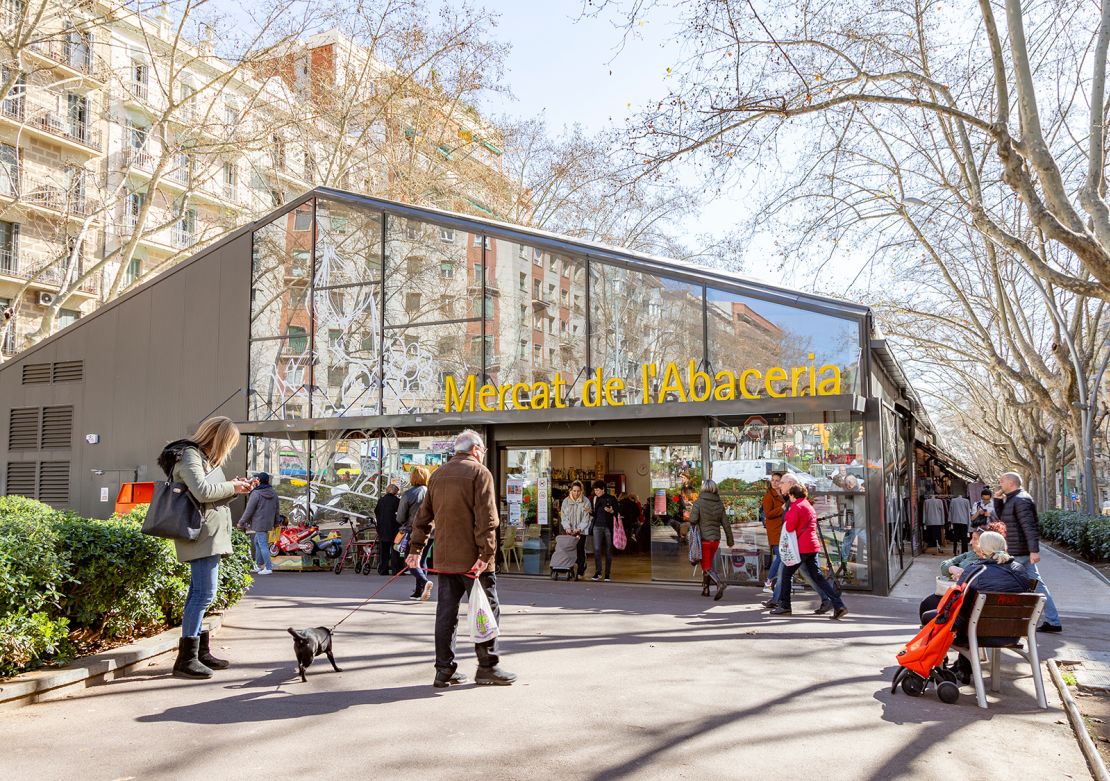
{"type": "Point", "coordinates": [676, 475]}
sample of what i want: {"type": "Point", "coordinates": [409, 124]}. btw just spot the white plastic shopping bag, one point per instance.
{"type": "Point", "coordinates": [788, 549]}
{"type": "Point", "coordinates": [479, 615]}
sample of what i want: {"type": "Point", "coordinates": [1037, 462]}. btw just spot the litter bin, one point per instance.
{"type": "Point", "coordinates": [533, 557]}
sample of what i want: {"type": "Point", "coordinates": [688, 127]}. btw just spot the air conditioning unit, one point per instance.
{"type": "Point", "coordinates": [45, 299]}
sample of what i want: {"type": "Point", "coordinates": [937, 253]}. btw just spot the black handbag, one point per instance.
{"type": "Point", "coordinates": [173, 513]}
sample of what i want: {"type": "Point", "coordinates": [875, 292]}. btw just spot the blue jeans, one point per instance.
{"type": "Point", "coordinates": [776, 565]}
{"type": "Point", "coordinates": [260, 546]}
{"type": "Point", "coordinates": [419, 573]}
{"type": "Point", "coordinates": [204, 576]}
{"type": "Point", "coordinates": [1050, 614]}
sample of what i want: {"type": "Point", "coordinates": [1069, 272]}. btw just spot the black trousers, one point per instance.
{"type": "Point", "coordinates": [582, 556]}
{"type": "Point", "coordinates": [932, 536]}
{"type": "Point", "coordinates": [389, 560]}
{"type": "Point", "coordinates": [959, 538]}
{"type": "Point", "coordinates": [451, 591]}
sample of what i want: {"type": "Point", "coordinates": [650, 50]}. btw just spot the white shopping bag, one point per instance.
{"type": "Point", "coordinates": [788, 549]}
{"type": "Point", "coordinates": [479, 615]}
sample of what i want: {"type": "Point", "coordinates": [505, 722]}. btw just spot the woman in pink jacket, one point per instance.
{"type": "Point", "coordinates": [801, 519]}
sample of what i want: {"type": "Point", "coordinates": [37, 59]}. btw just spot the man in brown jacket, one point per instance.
{"type": "Point", "coordinates": [462, 505]}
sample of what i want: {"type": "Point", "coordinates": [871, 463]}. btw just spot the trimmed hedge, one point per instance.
{"type": "Point", "coordinates": [1087, 534]}
{"type": "Point", "coordinates": [69, 583]}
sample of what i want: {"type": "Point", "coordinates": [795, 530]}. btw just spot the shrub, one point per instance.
{"type": "Point", "coordinates": [66, 579]}
{"type": "Point", "coordinates": [1089, 535]}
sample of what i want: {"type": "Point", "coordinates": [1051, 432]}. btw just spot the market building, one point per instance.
{"type": "Point", "coordinates": [352, 337]}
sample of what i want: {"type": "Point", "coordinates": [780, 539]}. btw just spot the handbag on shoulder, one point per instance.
{"type": "Point", "coordinates": [173, 513]}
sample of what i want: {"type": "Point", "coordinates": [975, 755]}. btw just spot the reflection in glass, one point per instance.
{"type": "Point", "coordinates": [280, 375]}
{"type": "Point", "coordinates": [676, 475]}
{"type": "Point", "coordinates": [637, 319]}
{"type": "Point", "coordinates": [418, 361]}
{"type": "Point", "coordinates": [536, 310]}
{"type": "Point", "coordinates": [281, 266]}
{"type": "Point", "coordinates": [896, 496]}
{"type": "Point", "coordinates": [747, 333]}
{"type": "Point", "coordinates": [827, 457]}
{"type": "Point", "coordinates": [428, 272]}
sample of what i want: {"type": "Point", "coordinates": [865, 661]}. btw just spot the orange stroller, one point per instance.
{"type": "Point", "coordinates": [923, 660]}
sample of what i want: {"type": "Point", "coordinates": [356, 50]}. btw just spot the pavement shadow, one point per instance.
{"type": "Point", "coordinates": [281, 706]}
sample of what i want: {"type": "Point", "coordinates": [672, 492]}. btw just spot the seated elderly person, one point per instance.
{"type": "Point", "coordinates": [954, 567]}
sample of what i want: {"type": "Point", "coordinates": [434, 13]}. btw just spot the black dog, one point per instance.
{"type": "Point", "coordinates": [310, 643]}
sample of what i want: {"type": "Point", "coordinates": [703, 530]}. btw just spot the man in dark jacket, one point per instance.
{"type": "Point", "coordinates": [259, 517]}
{"type": "Point", "coordinates": [462, 504]}
{"type": "Point", "coordinates": [1016, 508]}
{"type": "Point", "coordinates": [385, 512]}
{"type": "Point", "coordinates": [605, 512]}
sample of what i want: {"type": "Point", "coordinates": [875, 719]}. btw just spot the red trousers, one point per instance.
{"type": "Point", "coordinates": [709, 554]}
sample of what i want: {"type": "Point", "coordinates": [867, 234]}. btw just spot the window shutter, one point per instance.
{"type": "Point", "coordinates": [57, 428]}
{"type": "Point", "coordinates": [36, 373]}
{"type": "Point", "coordinates": [69, 371]}
{"type": "Point", "coordinates": [23, 429]}
{"type": "Point", "coordinates": [21, 479]}
{"type": "Point", "coordinates": [54, 482]}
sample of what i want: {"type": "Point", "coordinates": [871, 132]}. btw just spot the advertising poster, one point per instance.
{"type": "Point", "coordinates": [514, 514]}
{"type": "Point", "coordinates": [543, 500]}
{"type": "Point", "coordinates": [514, 490]}
{"type": "Point", "coordinates": [660, 502]}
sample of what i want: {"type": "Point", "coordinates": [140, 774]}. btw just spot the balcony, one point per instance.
{"type": "Point", "coordinates": [43, 274]}
{"type": "Point", "coordinates": [138, 90]}
{"type": "Point", "coordinates": [182, 237]}
{"type": "Point", "coordinates": [74, 58]}
{"type": "Point", "coordinates": [137, 159]}
{"type": "Point", "coordinates": [54, 126]}
{"type": "Point", "coordinates": [57, 199]}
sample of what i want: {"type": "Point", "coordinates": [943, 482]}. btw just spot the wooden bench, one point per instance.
{"type": "Point", "coordinates": [995, 620]}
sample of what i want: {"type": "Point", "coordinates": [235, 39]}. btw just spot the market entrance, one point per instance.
{"type": "Point", "coordinates": [647, 480]}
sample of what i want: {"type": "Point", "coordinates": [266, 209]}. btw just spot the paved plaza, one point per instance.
{"type": "Point", "coordinates": [616, 682]}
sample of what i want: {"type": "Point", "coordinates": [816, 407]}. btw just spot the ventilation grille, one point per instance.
{"type": "Point", "coordinates": [23, 429]}
{"type": "Point", "coordinates": [54, 482]}
{"type": "Point", "coordinates": [36, 373]}
{"type": "Point", "coordinates": [69, 371]}
{"type": "Point", "coordinates": [21, 479]}
{"type": "Point", "coordinates": [57, 428]}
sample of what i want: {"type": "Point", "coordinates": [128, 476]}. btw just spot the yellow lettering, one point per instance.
{"type": "Point", "coordinates": [693, 377]}
{"type": "Point", "coordinates": [672, 383]}
{"type": "Point", "coordinates": [517, 403]}
{"type": "Point", "coordinates": [726, 386]}
{"type": "Point", "coordinates": [592, 388]}
{"type": "Point", "coordinates": [540, 398]}
{"type": "Point", "coordinates": [796, 374]}
{"type": "Point", "coordinates": [829, 386]}
{"type": "Point", "coordinates": [485, 398]}
{"type": "Point", "coordinates": [560, 383]}
{"type": "Point", "coordinates": [774, 374]}
{"type": "Point", "coordinates": [611, 388]}
{"type": "Point", "coordinates": [456, 401]}
{"type": "Point", "coordinates": [646, 370]}
{"type": "Point", "coordinates": [812, 376]}
{"type": "Point", "coordinates": [502, 392]}
{"type": "Point", "coordinates": [744, 383]}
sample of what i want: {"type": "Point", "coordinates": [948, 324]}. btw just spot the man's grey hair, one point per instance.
{"type": "Point", "coordinates": [468, 440]}
{"type": "Point", "coordinates": [789, 478]}
{"type": "Point", "coordinates": [1014, 477]}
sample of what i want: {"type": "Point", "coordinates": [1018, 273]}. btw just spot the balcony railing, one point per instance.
{"type": "Point", "coordinates": [139, 89]}
{"type": "Point", "coordinates": [182, 237]}
{"type": "Point", "coordinates": [51, 123]}
{"type": "Point", "coordinates": [139, 159]}
{"type": "Point", "coordinates": [52, 197]}
{"type": "Point", "coordinates": [45, 273]}
{"type": "Point", "coordinates": [76, 58]}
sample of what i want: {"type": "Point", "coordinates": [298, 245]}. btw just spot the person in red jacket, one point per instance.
{"type": "Point", "coordinates": [801, 519]}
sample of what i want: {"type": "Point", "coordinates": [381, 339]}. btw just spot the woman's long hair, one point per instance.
{"type": "Point", "coordinates": [418, 476]}
{"type": "Point", "coordinates": [216, 437]}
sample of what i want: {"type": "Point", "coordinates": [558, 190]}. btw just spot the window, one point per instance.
{"type": "Point", "coordinates": [522, 350]}
{"type": "Point", "coordinates": [447, 235]}
{"type": "Point", "coordinates": [412, 303]}
{"type": "Point", "coordinates": [74, 178]}
{"type": "Point", "coordinates": [483, 240]}
{"type": "Point", "coordinates": [9, 170]}
{"type": "Point", "coordinates": [564, 298]}
{"type": "Point", "coordinates": [185, 93]}
{"type": "Point", "coordinates": [13, 104]}
{"type": "Point", "coordinates": [298, 340]}
{"type": "Point", "coordinates": [231, 114]}
{"type": "Point", "coordinates": [11, 15]}
{"type": "Point", "coordinates": [537, 355]}
{"type": "Point", "coordinates": [550, 292]}
{"type": "Point", "coordinates": [536, 290]}
{"type": "Point", "coordinates": [133, 273]}
{"type": "Point", "coordinates": [278, 197]}
{"type": "Point", "coordinates": [412, 230]}
{"type": "Point", "coordinates": [230, 178]}
{"type": "Point", "coordinates": [7, 329]}
{"type": "Point", "coordinates": [551, 263]}
{"type": "Point", "coordinates": [309, 163]}
{"type": "Point", "coordinates": [78, 116]}
{"type": "Point", "coordinates": [67, 317]}
{"type": "Point", "coordinates": [525, 251]}
{"type": "Point", "coordinates": [185, 231]}
{"type": "Point", "coordinates": [302, 220]}
{"type": "Point", "coordinates": [137, 137]}
{"type": "Point", "coordinates": [523, 282]}
{"type": "Point", "coordinates": [277, 152]}
{"type": "Point", "coordinates": [133, 207]}
{"type": "Point", "coordinates": [78, 48]}
{"type": "Point", "coordinates": [447, 270]}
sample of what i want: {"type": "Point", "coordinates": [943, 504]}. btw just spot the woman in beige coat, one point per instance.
{"type": "Point", "coordinates": [197, 462]}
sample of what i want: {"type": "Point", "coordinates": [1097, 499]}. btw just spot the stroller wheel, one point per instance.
{"type": "Point", "coordinates": [913, 685]}
{"type": "Point", "coordinates": [554, 575]}
{"type": "Point", "coordinates": [949, 692]}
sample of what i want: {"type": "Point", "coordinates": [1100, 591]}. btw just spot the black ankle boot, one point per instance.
{"type": "Point", "coordinates": [205, 657]}
{"type": "Point", "coordinates": [704, 585]}
{"type": "Point", "coordinates": [187, 664]}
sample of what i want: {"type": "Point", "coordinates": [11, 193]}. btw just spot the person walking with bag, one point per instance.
{"type": "Point", "coordinates": [575, 518]}
{"type": "Point", "coordinates": [708, 515]}
{"type": "Point", "coordinates": [605, 513]}
{"type": "Point", "coordinates": [407, 511]}
{"type": "Point", "coordinates": [462, 503]}
{"type": "Point", "coordinates": [258, 519]}
{"type": "Point", "coordinates": [197, 463]}
{"type": "Point", "coordinates": [801, 519]}
{"type": "Point", "coordinates": [773, 511]}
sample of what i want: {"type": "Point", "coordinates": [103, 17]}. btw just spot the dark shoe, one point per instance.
{"type": "Point", "coordinates": [705, 590]}
{"type": "Point", "coordinates": [443, 681]}
{"type": "Point", "coordinates": [839, 613]}
{"type": "Point", "coordinates": [493, 676]}
{"type": "Point", "coordinates": [205, 657]}
{"type": "Point", "coordinates": [187, 665]}
{"type": "Point", "coordinates": [782, 611]}
{"type": "Point", "coordinates": [720, 592]}
{"type": "Point", "coordinates": [596, 578]}
{"type": "Point", "coordinates": [1047, 627]}
{"type": "Point", "coordinates": [414, 597]}
{"type": "Point", "coordinates": [769, 603]}
{"type": "Point", "coordinates": [826, 606]}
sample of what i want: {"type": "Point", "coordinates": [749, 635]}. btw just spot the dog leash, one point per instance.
{"type": "Point", "coordinates": [470, 574]}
